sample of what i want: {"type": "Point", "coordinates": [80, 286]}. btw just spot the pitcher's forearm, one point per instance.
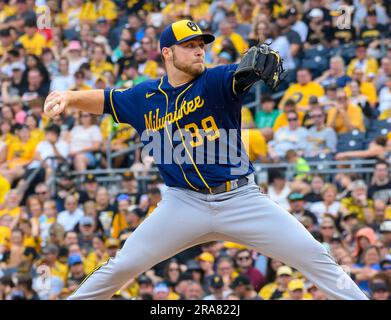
{"type": "Point", "coordinates": [91, 101]}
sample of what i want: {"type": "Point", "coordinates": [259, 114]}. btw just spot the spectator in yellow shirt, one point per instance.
{"type": "Point", "coordinates": [245, 15]}
{"type": "Point", "coordinates": [18, 254]}
{"type": "Point", "coordinates": [366, 88]}
{"type": "Point", "coordinates": [11, 204]}
{"type": "Point", "coordinates": [278, 289]}
{"type": "Point", "coordinates": [5, 230]}
{"type": "Point", "coordinates": [146, 66]}
{"type": "Point", "coordinates": [301, 91]}
{"type": "Point", "coordinates": [154, 197]}
{"type": "Point", "coordinates": [98, 256]}
{"type": "Point", "coordinates": [41, 120]}
{"type": "Point", "coordinates": [173, 11]}
{"type": "Point", "coordinates": [254, 143]}
{"type": "Point", "coordinates": [197, 9]}
{"type": "Point", "coordinates": [5, 186]}
{"type": "Point", "coordinates": [117, 135]}
{"type": "Point", "coordinates": [358, 203]}
{"type": "Point", "coordinates": [6, 138]}
{"type": "Point", "coordinates": [20, 153]}
{"type": "Point", "coordinates": [247, 118]}
{"type": "Point", "coordinates": [112, 246]}
{"type": "Point", "coordinates": [50, 255]}
{"type": "Point", "coordinates": [99, 63]}
{"type": "Point", "coordinates": [6, 11]}
{"type": "Point", "coordinates": [33, 42]}
{"type": "Point", "coordinates": [70, 14]}
{"type": "Point", "coordinates": [36, 134]}
{"type": "Point", "coordinates": [367, 64]}
{"type": "Point", "coordinates": [119, 220]}
{"type": "Point", "coordinates": [297, 291]}
{"type": "Point", "coordinates": [226, 30]}
{"type": "Point", "coordinates": [282, 119]}
{"type": "Point", "coordinates": [6, 41]}
{"type": "Point", "coordinates": [31, 234]}
{"type": "Point", "coordinates": [94, 9]}
{"type": "Point", "coordinates": [80, 82]}
{"type": "Point", "coordinates": [344, 116]}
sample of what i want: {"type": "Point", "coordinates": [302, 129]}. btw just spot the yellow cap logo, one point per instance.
{"type": "Point", "coordinates": [185, 28]}
{"type": "Point", "coordinates": [192, 26]}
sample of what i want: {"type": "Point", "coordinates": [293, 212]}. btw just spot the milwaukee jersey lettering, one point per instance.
{"type": "Point", "coordinates": [193, 131]}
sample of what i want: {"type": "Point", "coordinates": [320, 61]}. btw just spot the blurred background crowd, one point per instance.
{"type": "Point", "coordinates": [58, 222]}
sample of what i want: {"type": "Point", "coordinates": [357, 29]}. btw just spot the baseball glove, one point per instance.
{"type": "Point", "coordinates": [259, 63]}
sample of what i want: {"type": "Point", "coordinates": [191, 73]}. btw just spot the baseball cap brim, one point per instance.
{"type": "Point", "coordinates": [208, 38]}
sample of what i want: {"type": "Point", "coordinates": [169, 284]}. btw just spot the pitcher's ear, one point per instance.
{"type": "Point", "coordinates": [167, 53]}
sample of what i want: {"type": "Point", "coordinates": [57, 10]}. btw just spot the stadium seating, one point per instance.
{"type": "Point", "coordinates": [351, 141]}
{"type": "Point", "coordinates": [317, 60]}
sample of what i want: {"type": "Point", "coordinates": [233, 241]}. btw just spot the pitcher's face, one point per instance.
{"type": "Point", "coordinates": [189, 56]}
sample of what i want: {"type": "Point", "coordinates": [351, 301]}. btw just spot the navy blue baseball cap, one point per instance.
{"type": "Point", "coordinates": [181, 31]}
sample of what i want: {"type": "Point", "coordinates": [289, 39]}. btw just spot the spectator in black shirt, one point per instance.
{"type": "Point", "coordinates": [315, 195]}
{"type": "Point", "coordinates": [90, 188]}
{"type": "Point", "coordinates": [380, 187]}
{"type": "Point", "coordinates": [286, 30]}
{"type": "Point", "coordinates": [105, 210]}
{"type": "Point", "coordinates": [283, 277]}
{"type": "Point", "coordinates": [126, 59]}
{"type": "Point", "coordinates": [130, 187]}
{"type": "Point", "coordinates": [296, 202]}
{"type": "Point", "coordinates": [149, 45]}
{"type": "Point", "coordinates": [372, 29]}
{"type": "Point", "coordinates": [133, 218]}
{"type": "Point", "coordinates": [87, 233]}
{"type": "Point", "coordinates": [15, 82]}
{"type": "Point", "coordinates": [317, 4]}
{"type": "Point", "coordinates": [6, 41]}
{"type": "Point", "coordinates": [35, 87]}
{"type": "Point", "coordinates": [103, 29]}
{"type": "Point", "coordinates": [24, 289]}
{"type": "Point", "coordinates": [89, 208]}
{"type": "Point", "coordinates": [241, 28]}
{"type": "Point", "coordinates": [76, 268]}
{"type": "Point", "coordinates": [319, 32]}
{"type": "Point", "coordinates": [243, 288]}
{"type": "Point", "coordinates": [34, 62]}
{"type": "Point", "coordinates": [380, 291]}
{"type": "Point", "coordinates": [24, 12]}
{"type": "Point", "coordinates": [112, 246]}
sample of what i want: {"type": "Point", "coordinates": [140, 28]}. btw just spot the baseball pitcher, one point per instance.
{"type": "Point", "coordinates": [211, 194]}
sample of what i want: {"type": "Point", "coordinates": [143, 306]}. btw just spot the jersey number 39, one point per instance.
{"type": "Point", "coordinates": [209, 129]}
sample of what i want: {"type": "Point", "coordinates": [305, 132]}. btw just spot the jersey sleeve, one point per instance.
{"type": "Point", "coordinates": [122, 105]}
{"type": "Point", "coordinates": [221, 80]}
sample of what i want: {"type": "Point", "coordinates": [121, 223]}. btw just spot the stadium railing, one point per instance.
{"type": "Point", "coordinates": [111, 178]}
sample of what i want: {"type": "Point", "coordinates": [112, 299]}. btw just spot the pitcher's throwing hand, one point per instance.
{"type": "Point", "coordinates": [55, 103]}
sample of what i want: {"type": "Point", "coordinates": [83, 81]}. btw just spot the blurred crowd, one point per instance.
{"type": "Point", "coordinates": [334, 103]}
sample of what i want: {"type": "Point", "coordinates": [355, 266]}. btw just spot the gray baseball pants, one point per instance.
{"type": "Point", "coordinates": [185, 218]}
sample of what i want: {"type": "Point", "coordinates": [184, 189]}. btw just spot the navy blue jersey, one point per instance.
{"type": "Point", "coordinates": [194, 129]}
